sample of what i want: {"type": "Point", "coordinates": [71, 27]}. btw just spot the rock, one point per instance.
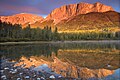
{"type": "Point", "coordinates": [1, 71]}
{"type": "Point", "coordinates": [6, 68]}
{"type": "Point", "coordinates": [52, 77]}
{"type": "Point", "coordinates": [11, 69]}
{"type": "Point", "coordinates": [109, 66]}
{"type": "Point", "coordinates": [43, 67]}
{"type": "Point", "coordinates": [20, 73]}
{"type": "Point", "coordinates": [59, 76]}
{"type": "Point", "coordinates": [4, 76]}
{"type": "Point", "coordinates": [42, 78]}
{"type": "Point", "coordinates": [66, 11]}
{"type": "Point", "coordinates": [27, 77]}
{"type": "Point", "coordinates": [18, 79]}
{"type": "Point", "coordinates": [34, 76]}
{"type": "Point", "coordinates": [13, 72]}
{"type": "Point", "coordinates": [38, 78]}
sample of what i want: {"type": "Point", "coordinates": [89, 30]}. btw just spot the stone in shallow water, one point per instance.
{"type": "Point", "coordinates": [43, 67]}
{"type": "Point", "coordinates": [18, 79]}
{"type": "Point", "coordinates": [20, 73]}
{"type": "Point", "coordinates": [1, 71]}
{"type": "Point", "coordinates": [59, 76]}
{"type": "Point", "coordinates": [38, 78]}
{"type": "Point", "coordinates": [109, 66]}
{"type": "Point", "coordinates": [15, 70]}
{"type": "Point", "coordinates": [4, 76]}
{"type": "Point", "coordinates": [52, 77]}
{"type": "Point", "coordinates": [6, 68]}
{"type": "Point", "coordinates": [27, 77]}
{"type": "Point", "coordinates": [42, 78]}
{"type": "Point", "coordinates": [11, 69]}
{"type": "Point", "coordinates": [34, 76]}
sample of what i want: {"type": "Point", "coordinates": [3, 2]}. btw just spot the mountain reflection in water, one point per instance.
{"type": "Point", "coordinates": [79, 60]}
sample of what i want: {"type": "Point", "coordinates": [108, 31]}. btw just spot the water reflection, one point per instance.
{"type": "Point", "coordinates": [66, 69]}
{"type": "Point", "coordinates": [72, 59]}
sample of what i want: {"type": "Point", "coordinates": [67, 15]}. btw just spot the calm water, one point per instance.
{"type": "Point", "coordinates": [88, 55]}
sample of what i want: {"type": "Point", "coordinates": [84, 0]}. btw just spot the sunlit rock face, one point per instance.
{"type": "Point", "coordinates": [66, 69]}
{"type": "Point", "coordinates": [22, 18]}
{"type": "Point", "coordinates": [70, 17]}
{"type": "Point", "coordinates": [66, 11]}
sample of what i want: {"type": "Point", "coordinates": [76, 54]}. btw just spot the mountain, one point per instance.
{"type": "Point", "coordinates": [22, 18]}
{"type": "Point", "coordinates": [82, 16]}
{"type": "Point", "coordinates": [66, 11]}
{"type": "Point", "coordinates": [72, 17]}
{"type": "Point", "coordinates": [88, 21]}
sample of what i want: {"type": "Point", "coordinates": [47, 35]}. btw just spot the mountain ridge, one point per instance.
{"type": "Point", "coordinates": [70, 10]}
{"type": "Point", "coordinates": [89, 21]}
{"type": "Point", "coordinates": [21, 18]}
{"type": "Point", "coordinates": [79, 16]}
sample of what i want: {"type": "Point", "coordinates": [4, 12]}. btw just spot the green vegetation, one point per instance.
{"type": "Point", "coordinates": [9, 32]}
{"type": "Point", "coordinates": [90, 36]}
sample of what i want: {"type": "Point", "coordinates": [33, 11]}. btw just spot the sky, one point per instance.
{"type": "Point", "coordinates": [44, 7]}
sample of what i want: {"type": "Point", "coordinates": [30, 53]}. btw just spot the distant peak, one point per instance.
{"type": "Point", "coordinates": [70, 10]}
{"type": "Point", "coordinates": [22, 18]}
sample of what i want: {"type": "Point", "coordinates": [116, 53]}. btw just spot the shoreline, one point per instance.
{"type": "Point", "coordinates": [40, 42]}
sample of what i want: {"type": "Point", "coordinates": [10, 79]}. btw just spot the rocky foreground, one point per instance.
{"type": "Point", "coordinates": [12, 70]}
{"type": "Point", "coordinates": [9, 71]}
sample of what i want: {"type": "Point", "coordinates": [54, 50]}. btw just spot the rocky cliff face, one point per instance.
{"type": "Point", "coordinates": [67, 11]}
{"type": "Point", "coordinates": [22, 18]}
{"type": "Point", "coordinates": [73, 16]}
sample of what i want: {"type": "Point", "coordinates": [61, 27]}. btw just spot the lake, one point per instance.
{"type": "Point", "coordinates": [76, 59]}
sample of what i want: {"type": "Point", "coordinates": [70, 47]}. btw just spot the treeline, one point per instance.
{"type": "Point", "coordinates": [90, 36]}
{"type": "Point", "coordinates": [9, 32]}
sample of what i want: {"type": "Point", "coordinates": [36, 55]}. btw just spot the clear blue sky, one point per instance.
{"type": "Point", "coordinates": [44, 7]}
